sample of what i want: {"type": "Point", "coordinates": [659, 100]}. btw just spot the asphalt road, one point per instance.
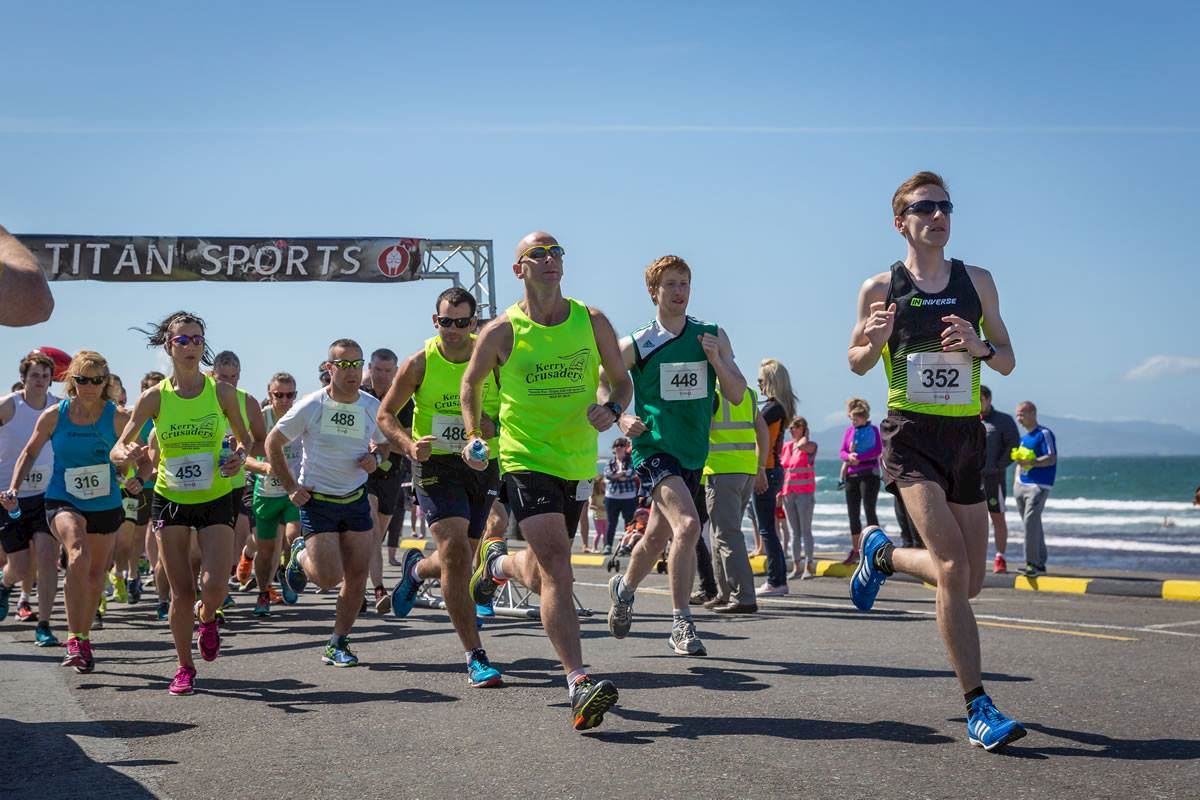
{"type": "Point", "coordinates": [809, 698]}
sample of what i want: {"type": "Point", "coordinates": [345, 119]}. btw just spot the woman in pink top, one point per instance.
{"type": "Point", "coordinates": [799, 495]}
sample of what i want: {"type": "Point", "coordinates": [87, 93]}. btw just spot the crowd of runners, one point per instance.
{"type": "Point", "coordinates": [203, 481]}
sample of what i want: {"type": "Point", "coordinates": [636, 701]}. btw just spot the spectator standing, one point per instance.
{"type": "Point", "coordinates": [861, 448]}
{"type": "Point", "coordinates": [780, 407]}
{"type": "Point", "coordinates": [798, 458]}
{"type": "Point", "coordinates": [620, 491]}
{"type": "Point", "coordinates": [1032, 484]}
{"type": "Point", "coordinates": [1002, 438]}
{"type": "Point", "coordinates": [598, 514]}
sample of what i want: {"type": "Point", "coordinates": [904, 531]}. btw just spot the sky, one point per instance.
{"type": "Point", "coordinates": [760, 141]}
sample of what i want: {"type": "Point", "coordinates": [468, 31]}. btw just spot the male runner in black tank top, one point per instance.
{"type": "Point", "coordinates": [927, 317]}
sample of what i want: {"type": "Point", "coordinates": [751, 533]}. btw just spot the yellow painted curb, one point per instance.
{"type": "Point", "coordinates": [416, 544]}
{"type": "Point", "coordinates": [1045, 584]}
{"type": "Point", "coordinates": [1181, 590]}
{"type": "Point", "coordinates": [834, 569]}
{"type": "Point", "coordinates": [588, 560]}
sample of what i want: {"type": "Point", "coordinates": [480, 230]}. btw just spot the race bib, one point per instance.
{"type": "Point", "coordinates": [583, 490]}
{"type": "Point", "coordinates": [683, 380]}
{"type": "Point", "coordinates": [939, 378]}
{"type": "Point", "coordinates": [36, 480]}
{"type": "Point", "coordinates": [450, 432]}
{"type": "Point", "coordinates": [343, 419]}
{"type": "Point", "coordinates": [190, 473]}
{"type": "Point", "coordinates": [130, 505]}
{"type": "Point", "coordinates": [88, 482]}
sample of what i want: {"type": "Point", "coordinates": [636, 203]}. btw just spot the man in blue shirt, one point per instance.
{"type": "Point", "coordinates": [1031, 487]}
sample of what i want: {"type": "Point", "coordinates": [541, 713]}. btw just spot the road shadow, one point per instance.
{"type": "Point", "coordinates": [286, 694]}
{"type": "Point", "coordinates": [714, 678]}
{"type": "Point", "coordinates": [65, 769]}
{"type": "Point", "coordinates": [792, 728]}
{"type": "Point", "coordinates": [1100, 746]}
{"type": "Point", "coordinates": [841, 670]}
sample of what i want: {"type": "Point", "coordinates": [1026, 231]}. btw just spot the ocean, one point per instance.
{"type": "Point", "coordinates": [1121, 512]}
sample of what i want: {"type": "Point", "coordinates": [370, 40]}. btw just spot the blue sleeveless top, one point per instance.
{"type": "Point", "coordinates": [82, 470]}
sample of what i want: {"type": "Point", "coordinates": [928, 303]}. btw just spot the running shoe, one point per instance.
{"type": "Point", "coordinates": [590, 700]}
{"type": "Point", "coordinates": [483, 585]}
{"type": "Point", "coordinates": [73, 658]}
{"type": "Point", "coordinates": [102, 609]}
{"type": "Point", "coordinates": [290, 596]}
{"type": "Point", "coordinates": [184, 681]}
{"type": "Point", "coordinates": [867, 578]}
{"type": "Point", "coordinates": [25, 611]}
{"type": "Point", "coordinates": [769, 589]}
{"type": "Point", "coordinates": [98, 625]}
{"type": "Point", "coordinates": [262, 606]}
{"type": "Point", "coordinates": [245, 570]}
{"type": "Point", "coordinates": [700, 597]}
{"type": "Point", "coordinates": [44, 637]}
{"type": "Point", "coordinates": [484, 610]}
{"type": "Point", "coordinates": [988, 728]}
{"type": "Point", "coordinates": [274, 596]}
{"type": "Point", "coordinates": [294, 574]}
{"type": "Point", "coordinates": [143, 565]}
{"type": "Point", "coordinates": [209, 640]}
{"type": "Point", "coordinates": [164, 609]}
{"type": "Point", "coordinates": [228, 602]}
{"type": "Point", "coordinates": [383, 600]}
{"type": "Point", "coordinates": [684, 640]}
{"type": "Point", "coordinates": [851, 559]}
{"type": "Point", "coordinates": [480, 672]}
{"type": "Point", "coordinates": [135, 590]}
{"type": "Point", "coordinates": [406, 590]}
{"type": "Point", "coordinates": [85, 654]}
{"type": "Point", "coordinates": [120, 590]}
{"type": "Point", "coordinates": [5, 596]}
{"type": "Point", "coordinates": [1031, 570]}
{"type": "Point", "coordinates": [339, 655]}
{"type": "Point", "coordinates": [219, 616]}
{"type": "Point", "coordinates": [620, 613]}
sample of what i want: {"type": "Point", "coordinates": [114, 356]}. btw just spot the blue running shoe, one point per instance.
{"type": "Point", "coordinates": [867, 579]}
{"type": "Point", "coordinates": [44, 637]}
{"type": "Point", "coordinates": [290, 596]}
{"type": "Point", "coordinates": [480, 672]}
{"type": "Point", "coordinates": [484, 611]}
{"type": "Point", "coordinates": [294, 573]}
{"type": "Point", "coordinates": [988, 728]}
{"type": "Point", "coordinates": [482, 585]}
{"type": "Point", "coordinates": [406, 590]}
{"type": "Point", "coordinates": [5, 594]}
{"type": "Point", "coordinates": [339, 655]}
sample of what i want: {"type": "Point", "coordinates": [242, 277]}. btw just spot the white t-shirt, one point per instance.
{"type": "Point", "coordinates": [333, 437]}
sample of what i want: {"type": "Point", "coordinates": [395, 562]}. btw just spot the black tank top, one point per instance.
{"type": "Point", "coordinates": [940, 384]}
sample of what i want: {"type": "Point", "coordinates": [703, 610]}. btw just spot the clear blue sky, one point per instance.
{"type": "Point", "coordinates": [762, 142]}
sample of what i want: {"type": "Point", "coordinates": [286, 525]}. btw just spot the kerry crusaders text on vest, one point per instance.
{"type": "Point", "coordinates": [546, 386]}
{"type": "Point", "coordinates": [436, 410]}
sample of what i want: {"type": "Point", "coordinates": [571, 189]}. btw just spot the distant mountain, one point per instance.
{"type": "Point", "coordinates": [1084, 437]}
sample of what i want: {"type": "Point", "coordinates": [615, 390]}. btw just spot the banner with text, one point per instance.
{"type": "Point", "coordinates": [146, 259]}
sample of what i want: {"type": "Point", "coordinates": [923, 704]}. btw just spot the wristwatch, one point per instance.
{"type": "Point", "coordinates": [991, 351]}
{"type": "Point", "coordinates": [615, 408]}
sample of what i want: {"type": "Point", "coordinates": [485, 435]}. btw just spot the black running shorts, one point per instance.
{"type": "Point", "coordinates": [948, 451]}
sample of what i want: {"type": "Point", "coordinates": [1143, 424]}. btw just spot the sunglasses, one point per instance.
{"type": "Point", "coordinates": [283, 395]}
{"type": "Point", "coordinates": [96, 381]}
{"type": "Point", "coordinates": [458, 322]}
{"type": "Point", "coordinates": [541, 251]}
{"type": "Point", "coordinates": [183, 339]}
{"type": "Point", "coordinates": [344, 363]}
{"type": "Point", "coordinates": [924, 207]}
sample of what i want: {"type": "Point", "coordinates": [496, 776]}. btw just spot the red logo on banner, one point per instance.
{"type": "Point", "coordinates": [394, 261]}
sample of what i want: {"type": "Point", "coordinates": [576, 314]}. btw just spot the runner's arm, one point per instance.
{"type": "Point", "coordinates": [228, 397]}
{"type": "Point", "coordinates": [128, 448]}
{"type": "Point", "coordinates": [733, 382]}
{"type": "Point", "coordinates": [8, 408]}
{"type": "Point", "coordinates": [615, 385]}
{"type": "Point", "coordinates": [404, 385]}
{"type": "Point", "coordinates": [276, 440]}
{"type": "Point", "coordinates": [258, 427]}
{"type": "Point", "coordinates": [492, 348]}
{"type": "Point", "coordinates": [26, 298]}
{"type": "Point", "coordinates": [993, 325]}
{"type": "Point", "coordinates": [873, 326]}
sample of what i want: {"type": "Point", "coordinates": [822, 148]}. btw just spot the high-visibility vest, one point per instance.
{"type": "Point", "coordinates": [732, 442]}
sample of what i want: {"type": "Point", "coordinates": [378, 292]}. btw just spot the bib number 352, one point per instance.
{"type": "Point", "coordinates": [939, 378]}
